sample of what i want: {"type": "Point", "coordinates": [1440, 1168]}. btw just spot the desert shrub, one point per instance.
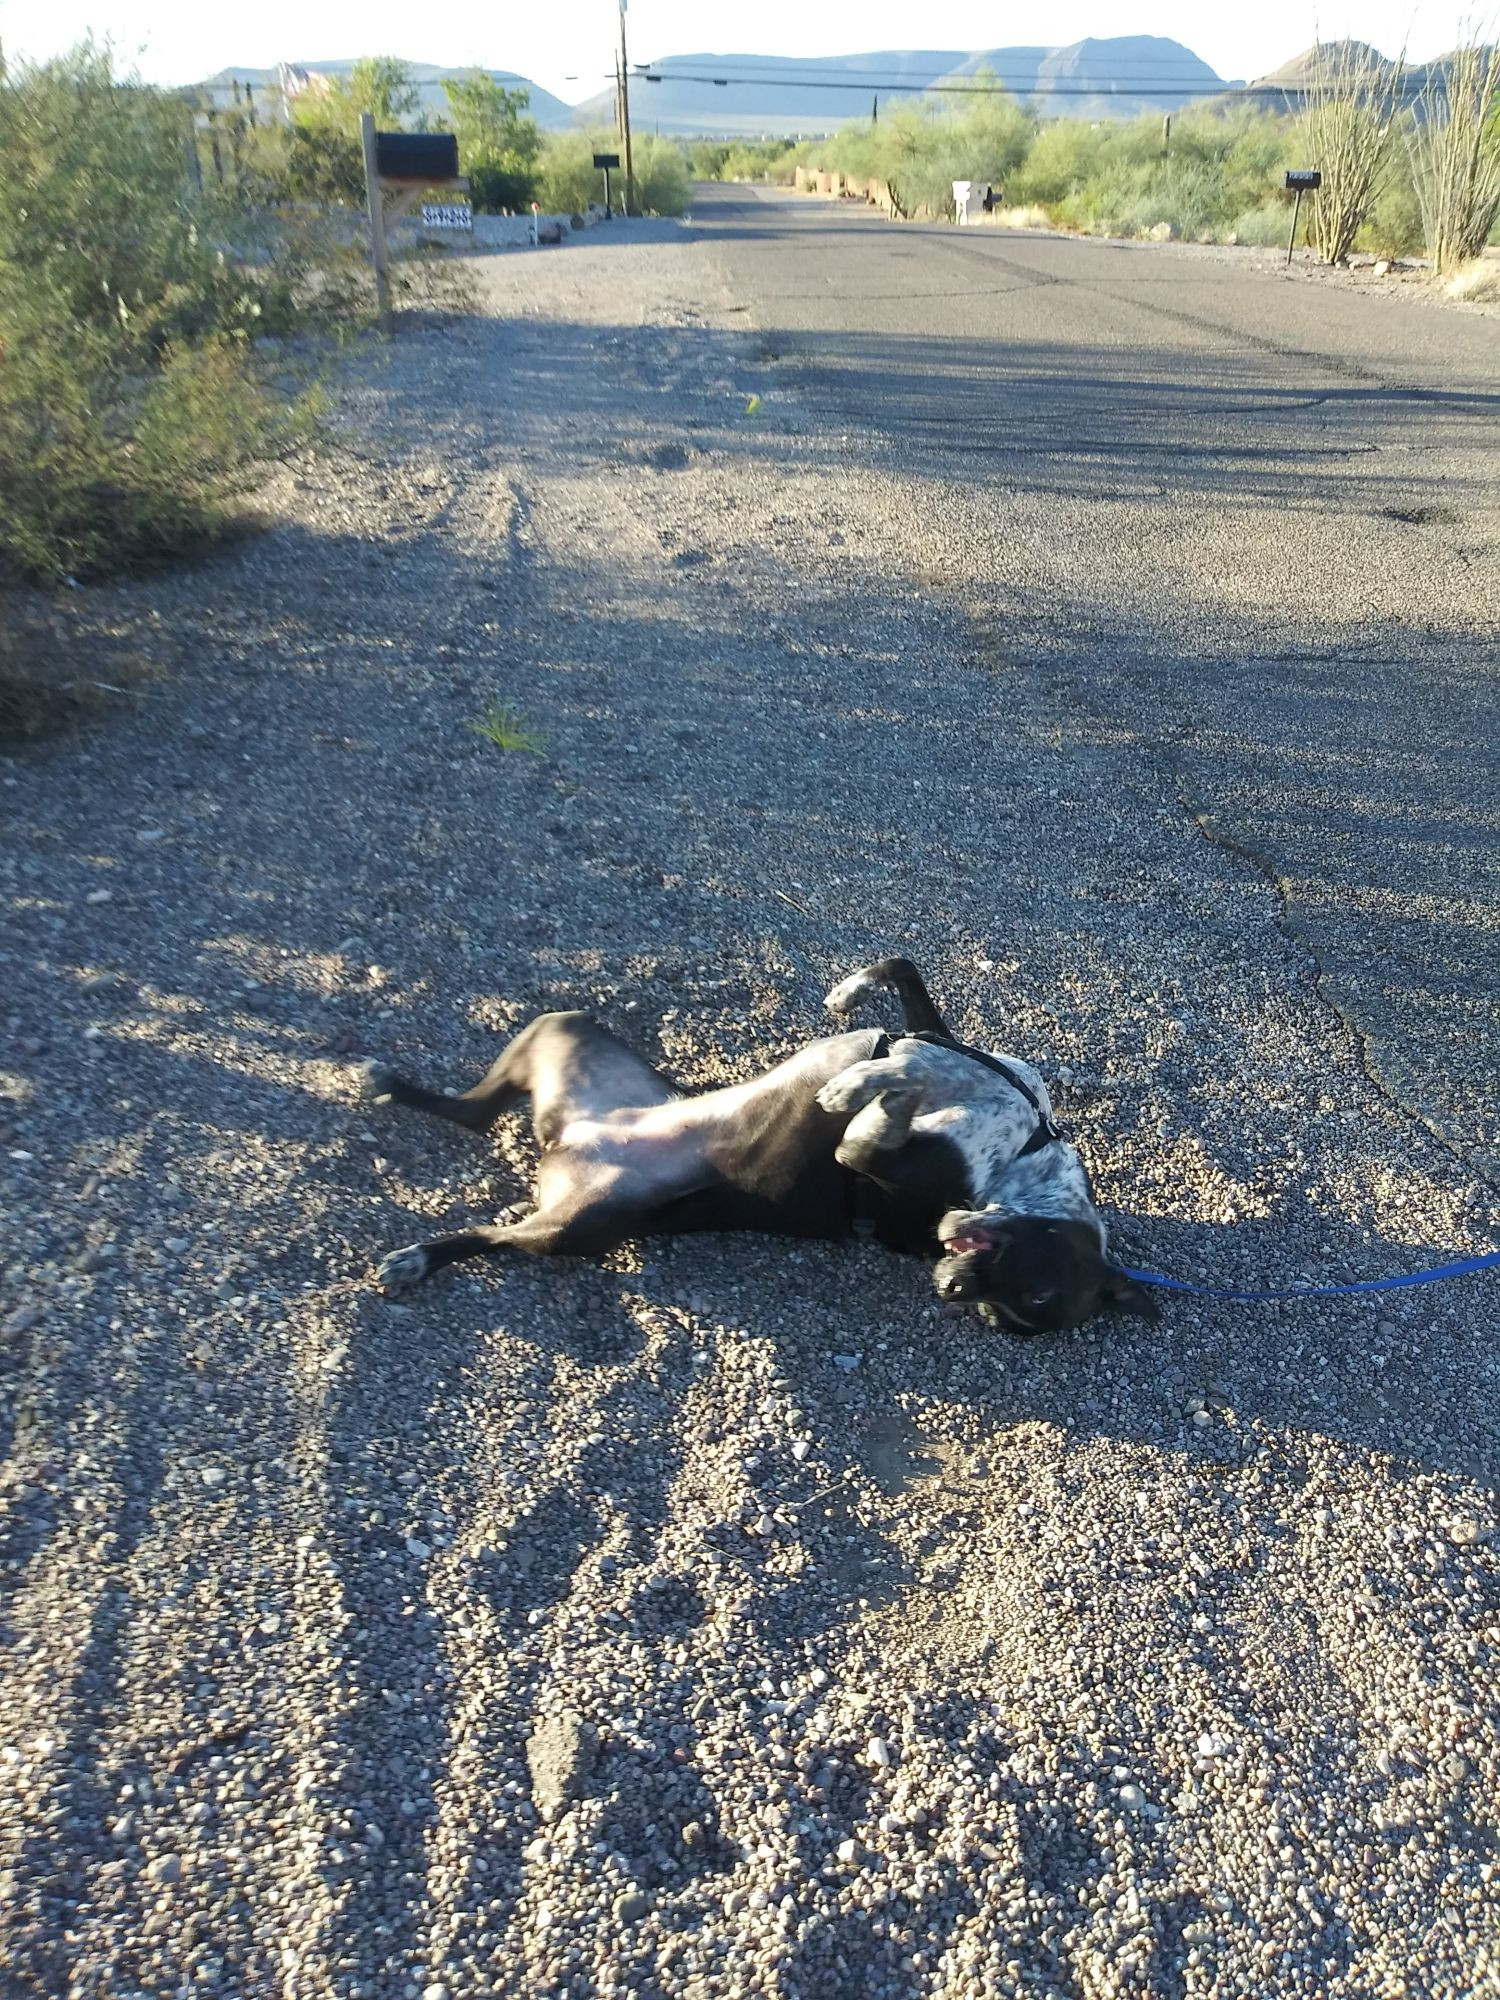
{"type": "Point", "coordinates": [569, 180]}
{"type": "Point", "coordinates": [1393, 227]}
{"type": "Point", "coordinates": [134, 395]}
{"type": "Point", "coordinates": [498, 144]}
{"type": "Point", "coordinates": [662, 183]}
{"type": "Point", "coordinates": [1454, 149]}
{"type": "Point", "coordinates": [1349, 133]}
{"type": "Point", "coordinates": [500, 190]}
{"type": "Point", "coordinates": [1266, 225]}
{"type": "Point", "coordinates": [708, 158]}
{"type": "Point", "coordinates": [1064, 158]}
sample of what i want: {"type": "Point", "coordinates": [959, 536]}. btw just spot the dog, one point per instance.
{"type": "Point", "coordinates": [916, 1139]}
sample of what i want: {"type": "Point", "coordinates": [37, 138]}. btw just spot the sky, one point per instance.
{"type": "Point", "coordinates": [568, 48]}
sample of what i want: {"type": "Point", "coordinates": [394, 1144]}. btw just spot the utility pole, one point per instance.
{"type": "Point", "coordinates": [630, 202]}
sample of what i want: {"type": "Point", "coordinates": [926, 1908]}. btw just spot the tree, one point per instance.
{"type": "Point", "coordinates": [491, 125]}
{"type": "Point", "coordinates": [381, 85]}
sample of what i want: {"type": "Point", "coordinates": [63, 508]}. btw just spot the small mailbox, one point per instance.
{"type": "Point", "coordinates": [427, 157]}
{"type": "Point", "coordinates": [1303, 180]}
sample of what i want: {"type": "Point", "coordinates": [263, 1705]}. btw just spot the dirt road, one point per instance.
{"type": "Point", "coordinates": [727, 1621]}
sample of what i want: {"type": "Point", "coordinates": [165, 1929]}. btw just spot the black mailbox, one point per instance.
{"type": "Point", "coordinates": [416, 156]}
{"type": "Point", "coordinates": [1303, 180]}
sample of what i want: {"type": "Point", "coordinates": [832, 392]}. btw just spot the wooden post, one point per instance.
{"type": "Point", "coordinates": [376, 201]}
{"type": "Point", "coordinates": [630, 204]}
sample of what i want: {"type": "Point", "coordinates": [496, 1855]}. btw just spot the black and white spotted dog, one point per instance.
{"type": "Point", "coordinates": [913, 1138]}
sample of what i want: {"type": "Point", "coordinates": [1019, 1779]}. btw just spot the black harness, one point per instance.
{"type": "Point", "coordinates": [1046, 1133]}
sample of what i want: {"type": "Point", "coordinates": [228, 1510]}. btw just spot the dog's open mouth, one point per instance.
{"type": "Point", "coordinates": [965, 1246]}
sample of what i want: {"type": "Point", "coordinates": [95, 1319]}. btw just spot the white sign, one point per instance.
{"type": "Point", "coordinates": [447, 215]}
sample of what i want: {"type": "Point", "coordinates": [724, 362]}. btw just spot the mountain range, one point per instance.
{"type": "Point", "coordinates": [1115, 78]}
{"type": "Point", "coordinates": [742, 96]}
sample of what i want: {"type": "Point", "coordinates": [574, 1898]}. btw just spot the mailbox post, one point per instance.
{"type": "Point", "coordinates": [407, 164]}
{"type": "Point", "coordinates": [1305, 181]}
{"type": "Point", "coordinates": [606, 161]}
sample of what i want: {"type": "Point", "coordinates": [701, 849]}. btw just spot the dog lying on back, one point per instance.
{"type": "Point", "coordinates": [916, 1139]}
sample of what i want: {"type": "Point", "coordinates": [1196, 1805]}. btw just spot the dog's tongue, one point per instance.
{"type": "Point", "coordinates": [964, 1246]}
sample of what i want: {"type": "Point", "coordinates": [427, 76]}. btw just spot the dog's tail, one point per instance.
{"type": "Point", "coordinates": [899, 976]}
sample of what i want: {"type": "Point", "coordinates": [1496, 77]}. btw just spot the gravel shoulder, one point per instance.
{"type": "Point", "coordinates": [726, 1621]}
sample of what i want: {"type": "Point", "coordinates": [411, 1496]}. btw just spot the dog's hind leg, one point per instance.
{"type": "Point", "coordinates": [588, 1231]}
{"type": "Point", "coordinates": [566, 1064]}
{"type": "Point", "coordinates": [919, 1014]}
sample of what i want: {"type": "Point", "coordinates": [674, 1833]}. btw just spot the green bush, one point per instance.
{"type": "Point", "coordinates": [499, 146]}
{"type": "Point", "coordinates": [1267, 225]}
{"type": "Point", "coordinates": [662, 183]}
{"type": "Point", "coordinates": [569, 179]}
{"type": "Point", "coordinates": [501, 190]}
{"type": "Point", "coordinates": [132, 396]}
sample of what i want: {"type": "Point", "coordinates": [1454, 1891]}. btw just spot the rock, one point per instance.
{"type": "Point", "coordinates": [878, 1753]}
{"type": "Point", "coordinates": [417, 1548]}
{"type": "Point", "coordinates": [694, 1838]}
{"type": "Point", "coordinates": [1464, 1533]}
{"type": "Point", "coordinates": [847, 1362]}
{"type": "Point", "coordinates": [164, 1869]}
{"type": "Point", "coordinates": [848, 1852]}
{"type": "Point", "coordinates": [560, 1752]}
{"type": "Point", "coordinates": [1162, 232]}
{"type": "Point", "coordinates": [1134, 1799]}
{"type": "Point", "coordinates": [1381, 268]}
{"type": "Point", "coordinates": [212, 1475]}
{"type": "Point", "coordinates": [549, 232]}
{"type": "Point", "coordinates": [631, 1906]}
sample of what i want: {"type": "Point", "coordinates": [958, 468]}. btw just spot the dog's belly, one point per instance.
{"type": "Point", "coordinates": [757, 1155]}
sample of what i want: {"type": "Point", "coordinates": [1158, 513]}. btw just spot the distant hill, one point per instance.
{"type": "Point", "coordinates": [1118, 78]}
{"type": "Point", "coordinates": [266, 86]}
{"type": "Point", "coordinates": [1287, 88]}
{"type": "Point", "coordinates": [1122, 77]}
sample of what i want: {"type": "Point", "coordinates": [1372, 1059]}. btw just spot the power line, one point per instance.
{"type": "Point", "coordinates": [1142, 87]}
{"type": "Point", "coordinates": [1137, 89]}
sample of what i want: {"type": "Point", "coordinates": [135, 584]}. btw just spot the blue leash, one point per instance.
{"type": "Point", "coordinates": [1459, 1270]}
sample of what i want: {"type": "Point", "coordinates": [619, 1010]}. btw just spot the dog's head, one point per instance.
{"type": "Point", "coordinates": [1032, 1274]}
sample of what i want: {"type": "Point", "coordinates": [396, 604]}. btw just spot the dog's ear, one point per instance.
{"type": "Point", "coordinates": [1121, 1294]}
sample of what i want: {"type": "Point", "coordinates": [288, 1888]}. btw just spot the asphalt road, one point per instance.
{"type": "Point", "coordinates": [1249, 516]}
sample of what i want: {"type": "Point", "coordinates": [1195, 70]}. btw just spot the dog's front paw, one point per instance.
{"type": "Point", "coordinates": [375, 1079]}
{"type": "Point", "coordinates": [403, 1268]}
{"type": "Point", "coordinates": [854, 1087]}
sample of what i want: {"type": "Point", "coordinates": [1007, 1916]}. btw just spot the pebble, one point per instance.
{"type": "Point", "coordinates": [630, 1907]}
{"type": "Point", "coordinates": [100, 896]}
{"type": "Point", "coordinates": [418, 1548]}
{"type": "Point", "coordinates": [878, 1753]}
{"type": "Point", "coordinates": [164, 1869]}
{"type": "Point", "coordinates": [212, 1475]}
